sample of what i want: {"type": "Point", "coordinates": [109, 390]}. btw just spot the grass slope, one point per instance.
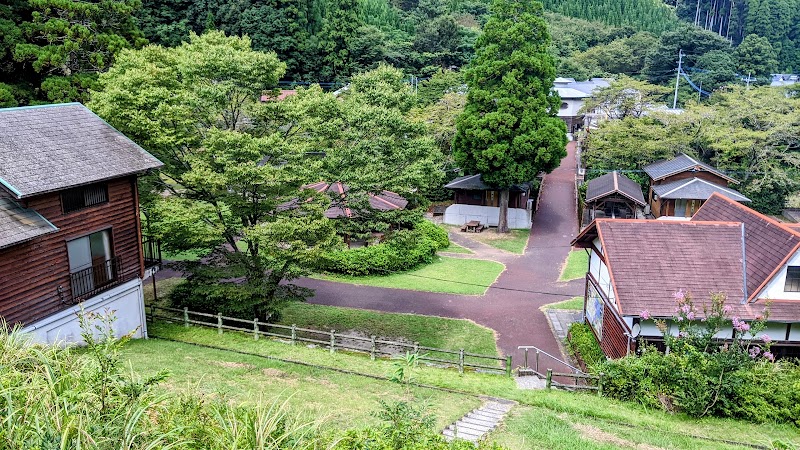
{"type": "Point", "coordinates": [514, 241]}
{"type": "Point", "coordinates": [455, 248]}
{"type": "Point", "coordinates": [446, 275]}
{"type": "Point", "coordinates": [573, 304]}
{"type": "Point", "coordinates": [575, 266]}
{"type": "Point", "coordinates": [544, 419]}
{"type": "Point", "coordinates": [429, 331]}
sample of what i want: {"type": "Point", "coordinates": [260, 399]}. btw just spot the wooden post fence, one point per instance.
{"type": "Point", "coordinates": [255, 328]}
{"type": "Point", "coordinates": [549, 380]}
{"type": "Point", "coordinates": [219, 323]}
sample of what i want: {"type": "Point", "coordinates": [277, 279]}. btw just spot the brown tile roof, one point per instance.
{"type": "Point", "coordinates": [768, 243]}
{"type": "Point", "coordinates": [52, 147]}
{"type": "Point", "coordinates": [650, 260]}
{"type": "Point", "coordinates": [384, 201]}
{"type": "Point", "coordinates": [612, 183]}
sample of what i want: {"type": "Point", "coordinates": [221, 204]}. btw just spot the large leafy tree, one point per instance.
{"type": "Point", "coordinates": [626, 97]}
{"type": "Point", "coordinates": [756, 56]}
{"type": "Point", "coordinates": [509, 131]}
{"type": "Point", "coordinates": [232, 180]}
{"type": "Point", "coordinates": [366, 140]}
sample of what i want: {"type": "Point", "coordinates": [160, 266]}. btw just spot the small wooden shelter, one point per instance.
{"type": "Point", "coordinates": [612, 195]}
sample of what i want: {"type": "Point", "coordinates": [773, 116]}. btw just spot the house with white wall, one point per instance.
{"type": "Point", "coordinates": [637, 266]}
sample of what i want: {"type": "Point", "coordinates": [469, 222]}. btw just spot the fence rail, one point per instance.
{"type": "Point", "coordinates": [590, 382]}
{"type": "Point", "coordinates": [375, 347]}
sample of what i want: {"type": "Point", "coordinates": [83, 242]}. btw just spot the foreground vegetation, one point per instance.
{"type": "Point", "coordinates": [575, 266]}
{"type": "Point", "coordinates": [445, 275]}
{"type": "Point", "coordinates": [514, 241]}
{"type": "Point", "coordinates": [545, 419]}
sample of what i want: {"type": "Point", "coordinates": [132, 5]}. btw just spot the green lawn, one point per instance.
{"type": "Point", "coordinates": [455, 248]}
{"type": "Point", "coordinates": [429, 331]}
{"type": "Point", "coordinates": [341, 400]}
{"type": "Point", "coordinates": [575, 266]}
{"type": "Point", "coordinates": [543, 420]}
{"type": "Point", "coordinates": [447, 275]}
{"type": "Point", "coordinates": [573, 304]}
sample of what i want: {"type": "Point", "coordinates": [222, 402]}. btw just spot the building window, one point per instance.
{"type": "Point", "coordinates": [91, 263]}
{"type": "Point", "coordinates": [792, 279]}
{"type": "Point", "coordinates": [83, 197]}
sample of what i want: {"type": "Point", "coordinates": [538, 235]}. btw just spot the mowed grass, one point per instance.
{"type": "Point", "coordinates": [341, 400]}
{"type": "Point", "coordinates": [428, 331]}
{"type": "Point", "coordinates": [575, 266]}
{"type": "Point", "coordinates": [445, 275]}
{"type": "Point", "coordinates": [455, 248]}
{"type": "Point", "coordinates": [573, 304]}
{"type": "Point", "coordinates": [543, 420]}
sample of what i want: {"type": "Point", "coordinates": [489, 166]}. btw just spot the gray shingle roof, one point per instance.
{"type": "Point", "coordinates": [696, 189]}
{"type": "Point", "coordinates": [475, 183]}
{"type": "Point", "coordinates": [611, 183]}
{"type": "Point", "coordinates": [681, 163]}
{"type": "Point", "coordinates": [53, 147]}
{"type": "Point", "coordinates": [18, 224]}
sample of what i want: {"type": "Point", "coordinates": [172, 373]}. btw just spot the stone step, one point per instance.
{"type": "Point", "coordinates": [477, 423]}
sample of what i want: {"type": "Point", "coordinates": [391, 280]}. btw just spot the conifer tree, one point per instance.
{"type": "Point", "coordinates": [509, 131]}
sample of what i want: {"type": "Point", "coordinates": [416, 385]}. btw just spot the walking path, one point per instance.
{"type": "Point", "coordinates": [511, 305]}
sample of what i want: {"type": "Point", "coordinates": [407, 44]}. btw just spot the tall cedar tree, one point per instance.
{"type": "Point", "coordinates": [509, 131]}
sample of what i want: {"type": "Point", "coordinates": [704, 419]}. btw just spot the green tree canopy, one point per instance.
{"type": "Point", "coordinates": [232, 183]}
{"type": "Point", "coordinates": [509, 131]}
{"type": "Point", "coordinates": [756, 56]}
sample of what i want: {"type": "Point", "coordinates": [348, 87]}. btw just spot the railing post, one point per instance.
{"type": "Point", "coordinates": [508, 365]}
{"type": "Point", "coordinates": [600, 384]}
{"type": "Point", "coordinates": [255, 328]}
{"type": "Point", "coordinates": [333, 341]}
{"type": "Point", "coordinates": [537, 360]}
{"type": "Point", "coordinates": [372, 350]}
{"type": "Point", "coordinates": [461, 361]}
{"type": "Point", "coordinates": [549, 380]}
{"type": "Point", "coordinates": [219, 323]}
{"type": "Point", "coordinates": [294, 334]}
{"type": "Point", "coordinates": [186, 317]}
{"type": "Point", "coordinates": [526, 359]}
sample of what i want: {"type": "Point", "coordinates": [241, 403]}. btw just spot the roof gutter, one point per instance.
{"type": "Point", "coordinates": [744, 267]}
{"type": "Point", "coordinates": [10, 188]}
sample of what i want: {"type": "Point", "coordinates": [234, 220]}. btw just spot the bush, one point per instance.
{"type": "Point", "coordinates": [402, 250]}
{"type": "Point", "coordinates": [582, 344]}
{"type": "Point", "coordinates": [701, 377]}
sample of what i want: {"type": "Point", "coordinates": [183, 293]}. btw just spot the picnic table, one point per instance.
{"type": "Point", "coordinates": [473, 226]}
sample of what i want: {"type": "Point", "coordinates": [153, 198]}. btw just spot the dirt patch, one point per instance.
{"type": "Point", "coordinates": [233, 365]}
{"type": "Point", "coordinates": [598, 435]}
{"type": "Point", "coordinates": [275, 373]}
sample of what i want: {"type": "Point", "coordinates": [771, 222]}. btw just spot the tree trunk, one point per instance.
{"type": "Point", "coordinates": [502, 222]}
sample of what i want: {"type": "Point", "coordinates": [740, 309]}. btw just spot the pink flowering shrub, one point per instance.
{"type": "Point", "coordinates": [701, 375]}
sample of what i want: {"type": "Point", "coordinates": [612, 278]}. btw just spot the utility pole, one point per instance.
{"type": "Point", "coordinates": [677, 79]}
{"type": "Point", "coordinates": [748, 80]}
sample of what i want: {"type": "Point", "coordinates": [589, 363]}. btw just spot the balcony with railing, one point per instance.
{"type": "Point", "coordinates": [151, 248]}
{"type": "Point", "coordinates": [99, 277]}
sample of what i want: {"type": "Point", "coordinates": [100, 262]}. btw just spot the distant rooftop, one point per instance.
{"type": "Point", "coordinates": [18, 224]}
{"type": "Point", "coordinates": [612, 183]}
{"type": "Point", "coordinates": [53, 147]}
{"type": "Point", "coordinates": [681, 163]}
{"type": "Point", "coordinates": [696, 189]}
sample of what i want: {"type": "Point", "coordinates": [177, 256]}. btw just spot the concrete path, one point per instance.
{"type": "Point", "coordinates": [511, 305]}
{"type": "Point", "coordinates": [479, 422]}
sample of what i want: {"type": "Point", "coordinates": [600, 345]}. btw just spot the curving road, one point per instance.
{"type": "Point", "coordinates": [511, 305]}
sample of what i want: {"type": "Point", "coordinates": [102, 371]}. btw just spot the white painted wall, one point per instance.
{"type": "Point", "coordinates": [774, 289]}
{"type": "Point", "coordinates": [488, 215]}
{"type": "Point", "coordinates": [573, 106]}
{"type": "Point", "coordinates": [126, 300]}
{"type": "Point", "coordinates": [775, 330]}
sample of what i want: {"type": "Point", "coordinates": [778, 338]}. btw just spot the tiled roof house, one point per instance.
{"type": "Point", "coordinates": [70, 235]}
{"type": "Point", "coordinates": [636, 267]}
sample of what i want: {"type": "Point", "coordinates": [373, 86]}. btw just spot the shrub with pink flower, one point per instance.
{"type": "Point", "coordinates": [645, 314]}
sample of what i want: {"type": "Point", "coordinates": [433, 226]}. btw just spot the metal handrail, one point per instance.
{"type": "Point", "coordinates": [540, 351]}
{"type": "Point", "coordinates": [151, 250]}
{"type": "Point", "coordinates": [95, 279]}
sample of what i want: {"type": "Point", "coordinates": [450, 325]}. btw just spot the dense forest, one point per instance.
{"type": "Point", "coordinates": [53, 50]}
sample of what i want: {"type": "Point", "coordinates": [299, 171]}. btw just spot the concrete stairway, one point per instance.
{"type": "Point", "coordinates": [479, 422]}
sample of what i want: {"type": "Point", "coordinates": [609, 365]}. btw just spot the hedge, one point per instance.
{"type": "Point", "coordinates": [402, 250]}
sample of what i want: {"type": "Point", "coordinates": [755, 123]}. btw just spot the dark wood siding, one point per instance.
{"type": "Point", "coordinates": [516, 199]}
{"type": "Point", "coordinates": [614, 342]}
{"type": "Point", "coordinates": [32, 272]}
